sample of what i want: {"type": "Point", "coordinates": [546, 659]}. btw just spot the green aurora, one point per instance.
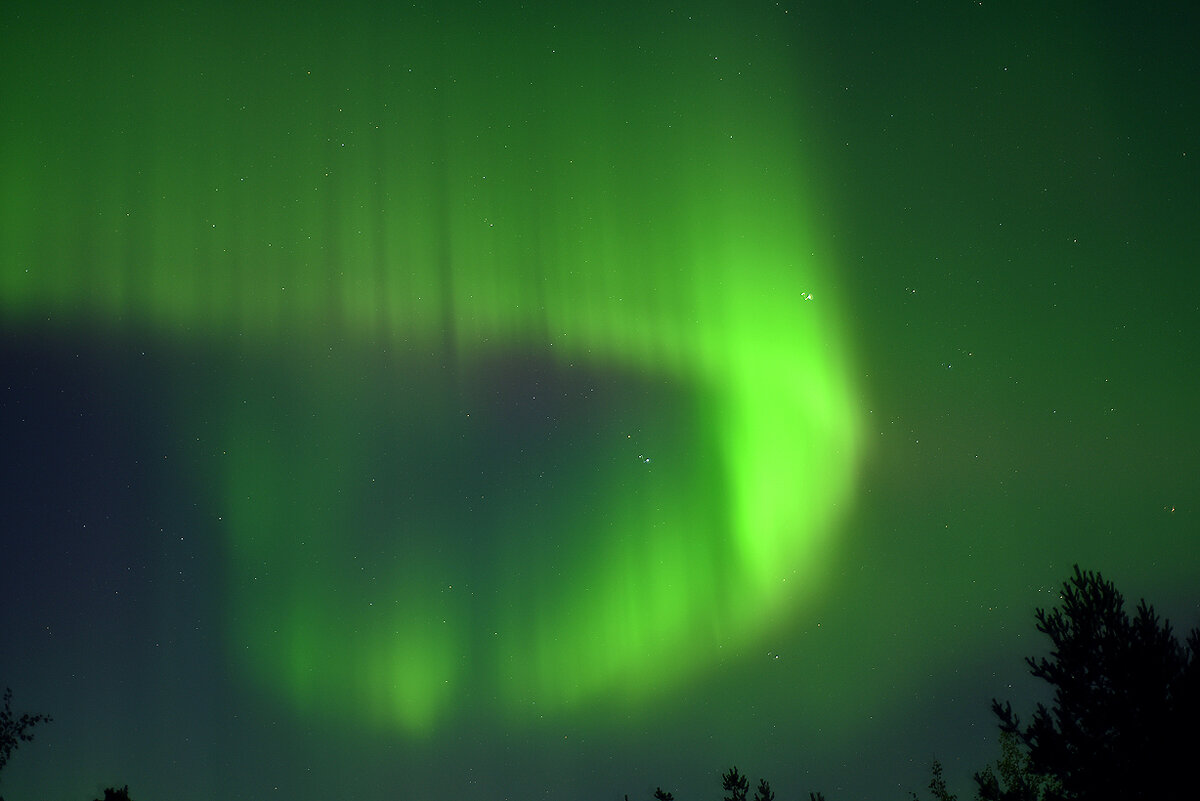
{"type": "Point", "coordinates": [467, 224]}
{"type": "Point", "coordinates": [335, 338]}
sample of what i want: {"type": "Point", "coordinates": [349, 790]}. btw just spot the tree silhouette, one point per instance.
{"type": "Point", "coordinates": [735, 784]}
{"type": "Point", "coordinates": [763, 793]}
{"type": "Point", "coordinates": [1123, 723]}
{"type": "Point", "coordinates": [937, 785]}
{"type": "Point", "coordinates": [14, 731]}
{"type": "Point", "coordinates": [659, 795]}
{"type": "Point", "coordinates": [115, 795]}
{"type": "Point", "coordinates": [1016, 780]}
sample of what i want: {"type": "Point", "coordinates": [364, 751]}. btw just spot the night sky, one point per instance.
{"type": "Point", "coordinates": [515, 400]}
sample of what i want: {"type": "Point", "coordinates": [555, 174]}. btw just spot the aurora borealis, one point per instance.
{"type": "Point", "coordinates": [515, 400]}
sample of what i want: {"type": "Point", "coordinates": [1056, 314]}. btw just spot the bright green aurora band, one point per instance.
{"type": "Point", "coordinates": [570, 214]}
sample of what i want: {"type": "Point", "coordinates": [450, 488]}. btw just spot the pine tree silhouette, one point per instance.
{"type": "Point", "coordinates": [1123, 723]}
{"type": "Point", "coordinates": [735, 784]}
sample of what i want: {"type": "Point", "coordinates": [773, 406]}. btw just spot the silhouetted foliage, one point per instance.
{"type": "Point", "coordinates": [735, 784]}
{"type": "Point", "coordinates": [115, 795]}
{"type": "Point", "coordinates": [1013, 779]}
{"type": "Point", "coordinates": [13, 730]}
{"type": "Point", "coordinates": [937, 785]}
{"type": "Point", "coordinates": [1123, 723]}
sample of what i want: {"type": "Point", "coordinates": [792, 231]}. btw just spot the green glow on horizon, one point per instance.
{"type": "Point", "coordinates": [659, 231]}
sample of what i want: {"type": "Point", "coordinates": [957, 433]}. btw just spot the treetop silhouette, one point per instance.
{"type": "Point", "coordinates": [1123, 722]}
{"type": "Point", "coordinates": [735, 785]}
{"type": "Point", "coordinates": [15, 730]}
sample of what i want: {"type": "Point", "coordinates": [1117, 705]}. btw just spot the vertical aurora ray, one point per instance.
{"type": "Point", "coordinates": [505, 206]}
